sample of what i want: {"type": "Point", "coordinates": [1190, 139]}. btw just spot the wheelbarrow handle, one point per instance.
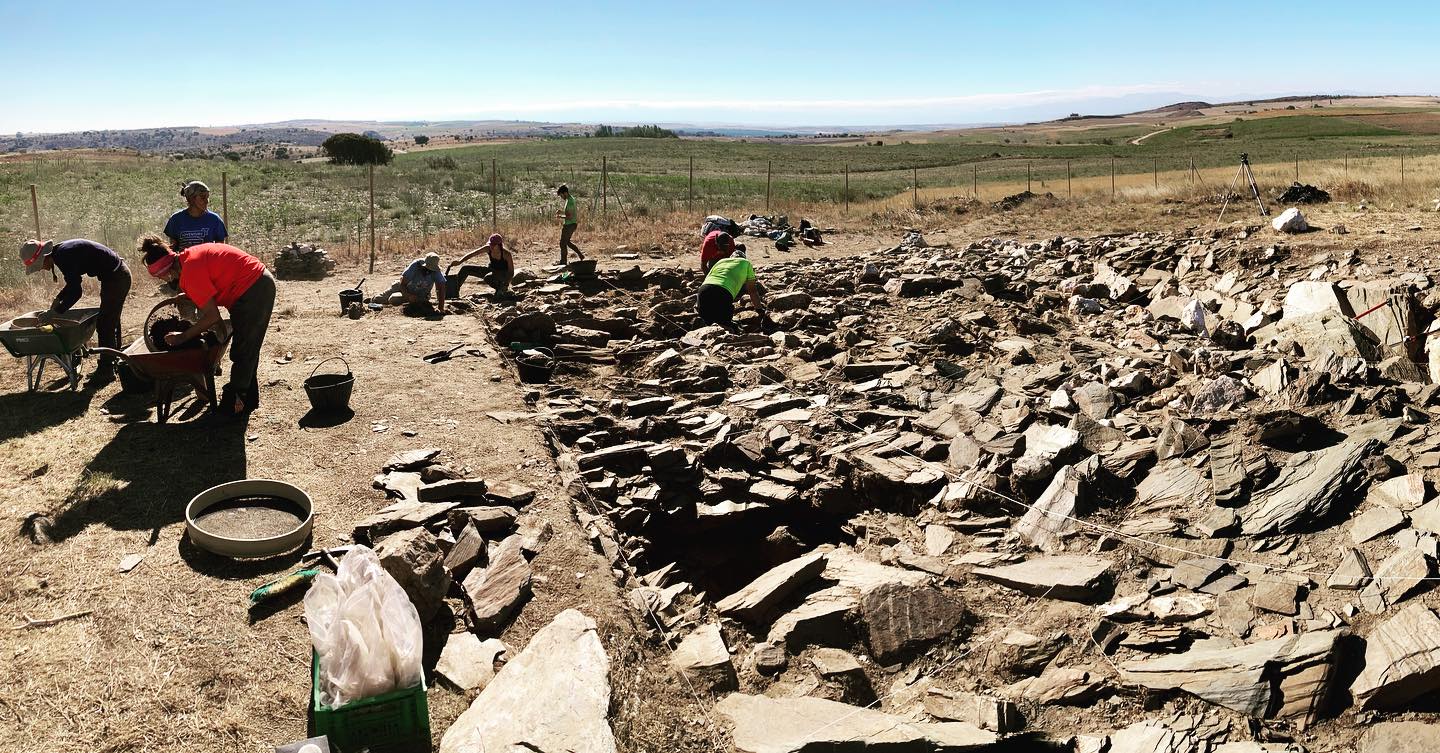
{"type": "Point", "coordinates": [112, 352]}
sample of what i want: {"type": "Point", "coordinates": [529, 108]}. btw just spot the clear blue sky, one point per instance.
{"type": "Point", "coordinates": [87, 64]}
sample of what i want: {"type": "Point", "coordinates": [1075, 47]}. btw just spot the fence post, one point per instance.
{"type": "Point", "coordinates": [974, 181]}
{"type": "Point", "coordinates": [372, 219]}
{"type": "Point", "coordinates": [1027, 176]}
{"type": "Point", "coordinates": [494, 197]}
{"type": "Point", "coordinates": [1068, 176]}
{"type": "Point", "coordinates": [1155, 168]}
{"type": "Point", "coordinates": [692, 183]}
{"type": "Point", "coordinates": [1112, 177]}
{"type": "Point", "coordinates": [768, 165]}
{"type": "Point", "coordinates": [847, 188]}
{"type": "Point", "coordinates": [915, 187]}
{"type": "Point", "coordinates": [35, 208]}
{"type": "Point", "coordinates": [1402, 169]}
{"type": "Point", "coordinates": [225, 199]}
{"type": "Point", "coordinates": [1347, 164]}
{"type": "Point", "coordinates": [1297, 169]}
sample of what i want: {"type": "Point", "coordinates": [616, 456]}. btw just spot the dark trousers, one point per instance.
{"type": "Point", "coordinates": [114, 289]}
{"type": "Point", "coordinates": [566, 233]}
{"type": "Point", "coordinates": [496, 274]}
{"type": "Point", "coordinates": [715, 305]}
{"type": "Point", "coordinates": [250, 318]}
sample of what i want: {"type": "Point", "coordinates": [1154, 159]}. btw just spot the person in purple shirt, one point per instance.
{"type": "Point", "coordinates": [195, 224]}
{"type": "Point", "coordinates": [79, 258]}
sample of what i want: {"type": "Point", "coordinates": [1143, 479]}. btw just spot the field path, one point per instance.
{"type": "Point", "coordinates": [1136, 142]}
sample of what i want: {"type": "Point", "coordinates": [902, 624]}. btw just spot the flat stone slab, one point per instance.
{"type": "Point", "coordinates": [1072, 577]}
{"type": "Point", "coordinates": [1402, 660]}
{"type": "Point", "coordinates": [756, 601]}
{"type": "Point", "coordinates": [554, 696]}
{"type": "Point", "coordinates": [467, 662]}
{"type": "Point", "coordinates": [498, 590]}
{"type": "Point", "coordinates": [815, 725]}
{"type": "Point", "coordinates": [703, 657]}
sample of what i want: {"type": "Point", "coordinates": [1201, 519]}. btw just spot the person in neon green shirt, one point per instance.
{"type": "Point", "coordinates": [727, 279]}
{"type": "Point", "coordinates": [570, 219]}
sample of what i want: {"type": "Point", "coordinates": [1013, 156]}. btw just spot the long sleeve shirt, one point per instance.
{"type": "Point", "coordinates": [78, 258]}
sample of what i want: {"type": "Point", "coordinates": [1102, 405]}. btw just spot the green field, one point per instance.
{"type": "Point", "coordinates": [113, 198]}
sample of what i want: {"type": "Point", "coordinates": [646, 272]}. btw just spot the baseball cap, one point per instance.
{"type": "Point", "coordinates": [192, 188]}
{"type": "Point", "coordinates": [32, 251]}
{"type": "Point", "coordinates": [432, 261]}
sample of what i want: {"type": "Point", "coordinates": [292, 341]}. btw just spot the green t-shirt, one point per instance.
{"type": "Point", "coordinates": [572, 215]}
{"type": "Point", "coordinates": [732, 273]}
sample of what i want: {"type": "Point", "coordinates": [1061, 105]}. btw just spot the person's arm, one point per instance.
{"type": "Point", "coordinates": [68, 295]}
{"type": "Point", "coordinates": [570, 212]}
{"type": "Point", "coordinates": [753, 289]}
{"type": "Point", "coordinates": [209, 317]}
{"type": "Point", "coordinates": [469, 256]}
{"type": "Point", "coordinates": [440, 293]}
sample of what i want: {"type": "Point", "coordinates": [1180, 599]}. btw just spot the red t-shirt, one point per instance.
{"type": "Point", "coordinates": [217, 271]}
{"type": "Point", "coordinates": [710, 249]}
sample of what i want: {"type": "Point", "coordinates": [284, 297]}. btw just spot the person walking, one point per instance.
{"type": "Point", "coordinates": [195, 224]}
{"type": "Point", "coordinates": [570, 219]}
{"type": "Point", "coordinates": [77, 258]}
{"type": "Point", "coordinates": [212, 275]}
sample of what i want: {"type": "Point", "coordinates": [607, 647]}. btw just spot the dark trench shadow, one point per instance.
{"type": "Point", "coordinates": [28, 412]}
{"type": "Point", "coordinates": [145, 476]}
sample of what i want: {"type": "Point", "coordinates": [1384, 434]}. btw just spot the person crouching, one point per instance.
{"type": "Point", "coordinates": [728, 278]}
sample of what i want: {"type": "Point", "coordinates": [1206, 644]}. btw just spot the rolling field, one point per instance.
{"type": "Point", "coordinates": [113, 197]}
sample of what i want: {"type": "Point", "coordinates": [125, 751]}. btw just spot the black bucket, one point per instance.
{"type": "Point", "coordinates": [330, 392]}
{"type": "Point", "coordinates": [347, 297]}
{"type": "Point", "coordinates": [131, 382]}
{"type": "Point", "coordinates": [536, 368]}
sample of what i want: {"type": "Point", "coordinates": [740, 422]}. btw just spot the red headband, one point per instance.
{"type": "Point", "coordinates": [40, 249]}
{"type": "Point", "coordinates": [162, 265]}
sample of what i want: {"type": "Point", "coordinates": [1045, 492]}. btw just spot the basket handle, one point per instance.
{"type": "Point", "coordinates": [328, 360]}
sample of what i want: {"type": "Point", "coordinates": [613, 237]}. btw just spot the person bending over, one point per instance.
{"type": "Point", "coordinates": [728, 279]}
{"type": "Point", "coordinates": [500, 272]}
{"type": "Point", "coordinates": [77, 258]}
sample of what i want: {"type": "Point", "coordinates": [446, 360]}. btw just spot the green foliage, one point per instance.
{"type": "Point", "coordinates": [636, 132]}
{"type": "Point", "coordinates": [355, 149]}
{"type": "Point", "coordinates": [422, 140]}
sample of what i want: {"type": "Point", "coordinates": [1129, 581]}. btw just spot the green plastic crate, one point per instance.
{"type": "Point", "coordinates": [396, 722]}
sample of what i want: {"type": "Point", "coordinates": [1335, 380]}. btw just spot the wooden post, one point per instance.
{"type": "Point", "coordinates": [494, 197]}
{"type": "Point", "coordinates": [372, 219]}
{"type": "Point", "coordinates": [1112, 177]}
{"type": "Point", "coordinates": [1068, 176]}
{"type": "Point", "coordinates": [1297, 169]}
{"type": "Point", "coordinates": [604, 186]}
{"type": "Point", "coordinates": [692, 183]}
{"type": "Point", "coordinates": [225, 199]}
{"type": "Point", "coordinates": [1155, 168]}
{"type": "Point", "coordinates": [974, 181]}
{"type": "Point", "coordinates": [1027, 176]}
{"type": "Point", "coordinates": [1402, 169]}
{"type": "Point", "coordinates": [847, 188]}
{"type": "Point", "coordinates": [1347, 164]}
{"type": "Point", "coordinates": [35, 209]}
{"type": "Point", "coordinates": [768, 166]}
{"type": "Point", "coordinates": [915, 187]}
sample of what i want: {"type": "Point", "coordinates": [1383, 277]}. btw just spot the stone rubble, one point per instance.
{"type": "Point", "coordinates": [1171, 478]}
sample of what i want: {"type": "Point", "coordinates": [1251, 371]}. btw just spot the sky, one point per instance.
{"type": "Point", "coordinates": [84, 64]}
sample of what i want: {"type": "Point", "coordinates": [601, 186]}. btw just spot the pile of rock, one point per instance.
{"type": "Point", "coordinates": [299, 261]}
{"type": "Point", "coordinates": [985, 485]}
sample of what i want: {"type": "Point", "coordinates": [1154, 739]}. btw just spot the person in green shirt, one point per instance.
{"type": "Point", "coordinates": [570, 219]}
{"type": "Point", "coordinates": [727, 279]}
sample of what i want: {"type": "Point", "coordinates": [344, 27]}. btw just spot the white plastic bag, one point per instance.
{"type": "Point", "coordinates": [365, 630]}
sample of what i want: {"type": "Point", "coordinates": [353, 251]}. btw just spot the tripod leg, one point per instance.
{"type": "Point", "coordinates": [1228, 193]}
{"type": "Point", "coordinates": [1255, 191]}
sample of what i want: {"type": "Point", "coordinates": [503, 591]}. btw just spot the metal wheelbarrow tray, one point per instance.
{"type": "Point", "coordinates": [171, 368]}
{"type": "Point", "coordinates": [61, 340]}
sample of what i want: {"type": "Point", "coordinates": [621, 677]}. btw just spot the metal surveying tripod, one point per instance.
{"type": "Point", "coordinates": [1254, 189]}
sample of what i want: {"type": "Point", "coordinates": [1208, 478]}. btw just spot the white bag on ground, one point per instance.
{"type": "Point", "coordinates": [365, 630]}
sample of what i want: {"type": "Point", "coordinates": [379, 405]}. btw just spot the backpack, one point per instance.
{"type": "Point", "coordinates": [716, 222]}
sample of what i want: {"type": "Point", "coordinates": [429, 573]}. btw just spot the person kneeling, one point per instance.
{"type": "Point", "coordinates": [500, 272]}
{"type": "Point", "coordinates": [727, 279]}
{"type": "Point", "coordinates": [413, 288]}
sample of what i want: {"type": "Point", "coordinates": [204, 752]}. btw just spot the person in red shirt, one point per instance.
{"type": "Point", "coordinates": [717, 245]}
{"type": "Point", "coordinates": [212, 275]}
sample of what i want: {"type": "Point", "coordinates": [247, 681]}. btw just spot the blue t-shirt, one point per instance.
{"type": "Point", "coordinates": [186, 231]}
{"type": "Point", "coordinates": [419, 280]}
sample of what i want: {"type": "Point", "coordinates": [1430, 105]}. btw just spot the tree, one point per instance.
{"type": "Point", "coordinates": [422, 140]}
{"type": "Point", "coordinates": [354, 149]}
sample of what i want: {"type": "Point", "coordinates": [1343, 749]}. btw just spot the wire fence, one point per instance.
{"type": "Point", "coordinates": [266, 205]}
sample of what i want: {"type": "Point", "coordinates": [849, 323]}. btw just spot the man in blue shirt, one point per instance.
{"type": "Point", "coordinates": [414, 286]}
{"type": "Point", "coordinates": [195, 224]}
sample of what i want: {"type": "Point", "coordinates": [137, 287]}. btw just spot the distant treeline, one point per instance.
{"type": "Point", "coordinates": [636, 132]}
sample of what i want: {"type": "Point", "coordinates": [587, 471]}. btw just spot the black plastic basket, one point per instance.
{"type": "Point", "coordinates": [536, 366]}
{"type": "Point", "coordinates": [330, 392]}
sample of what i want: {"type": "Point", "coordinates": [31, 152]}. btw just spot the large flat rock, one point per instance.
{"type": "Point", "coordinates": [815, 725]}
{"type": "Point", "coordinates": [1401, 737]}
{"type": "Point", "coordinates": [498, 590]}
{"type": "Point", "coordinates": [1053, 516]}
{"type": "Point", "coordinates": [758, 600]}
{"type": "Point", "coordinates": [1306, 488]}
{"type": "Point", "coordinates": [1072, 577]}
{"type": "Point", "coordinates": [703, 658]}
{"type": "Point", "coordinates": [1402, 660]}
{"type": "Point", "coordinates": [1284, 677]}
{"type": "Point", "coordinates": [900, 618]}
{"type": "Point", "coordinates": [553, 697]}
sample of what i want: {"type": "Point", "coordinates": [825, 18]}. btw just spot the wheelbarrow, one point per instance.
{"type": "Point", "coordinates": [169, 369]}
{"type": "Point", "coordinates": [60, 339]}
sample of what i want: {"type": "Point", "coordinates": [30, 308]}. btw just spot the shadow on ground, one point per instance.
{"type": "Point", "coordinates": [28, 412]}
{"type": "Point", "coordinates": [145, 476]}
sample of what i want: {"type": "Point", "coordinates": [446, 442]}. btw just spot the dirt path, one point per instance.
{"type": "Point", "coordinates": [168, 659]}
{"type": "Point", "coordinates": [1141, 140]}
